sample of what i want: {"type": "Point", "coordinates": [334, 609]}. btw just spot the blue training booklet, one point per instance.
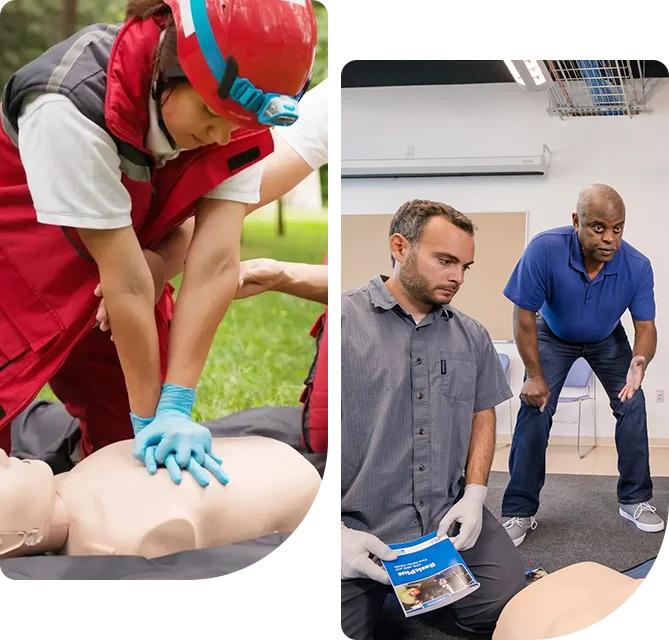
{"type": "Point", "coordinates": [428, 573]}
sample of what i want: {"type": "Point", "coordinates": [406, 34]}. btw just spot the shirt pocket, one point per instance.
{"type": "Point", "coordinates": [458, 376]}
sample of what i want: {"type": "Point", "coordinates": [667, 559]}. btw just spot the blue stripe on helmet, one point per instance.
{"type": "Point", "coordinates": [206, 39]}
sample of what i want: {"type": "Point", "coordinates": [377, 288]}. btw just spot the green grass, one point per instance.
{"type": "Point", "coordinates": [262, 350]}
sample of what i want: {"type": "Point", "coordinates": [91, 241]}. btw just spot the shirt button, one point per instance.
{"type": "Point", "coordinates": [420, 396]}
{"type": "Point", "coordinates": [419, 361]}
{"type": "Point", "coordinates": [421, 468]}
{"type": "Point", "coordinates": [421, 432]}
{"type": "Point", "coordinates": [421, 504]}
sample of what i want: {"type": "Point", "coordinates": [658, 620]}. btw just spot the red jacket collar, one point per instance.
{"type": "Point", "coordinates": [129, 76]}
{"type": "Point", "coordinates": [129, 79]}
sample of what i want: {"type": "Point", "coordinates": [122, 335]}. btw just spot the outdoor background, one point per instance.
{"type": "Point", "coordinates": [263, 350]}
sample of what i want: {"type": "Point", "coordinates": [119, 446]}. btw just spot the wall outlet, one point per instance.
{"type": "Point", "coordinates": [659, 395]}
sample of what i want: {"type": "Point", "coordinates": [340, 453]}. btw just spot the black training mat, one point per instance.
{"type": "Point", "coordinates": [656, 570]}
{"type": "Point", "coordinates": [578, 522]}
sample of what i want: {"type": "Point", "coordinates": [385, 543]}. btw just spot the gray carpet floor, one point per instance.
{"type": "Point", "coordinates": [578, 521]}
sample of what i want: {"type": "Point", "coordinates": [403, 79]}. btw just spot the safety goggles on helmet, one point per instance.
{"type": "Point", "coordinates": [271, 109]}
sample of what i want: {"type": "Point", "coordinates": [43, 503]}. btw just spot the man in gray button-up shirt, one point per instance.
{"type": "Point", "coordinates": [420, 381]}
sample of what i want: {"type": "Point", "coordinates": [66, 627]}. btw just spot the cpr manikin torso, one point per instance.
{"type": "Point", "coordinates": [109, 504]}
{"type": "Point", "coordinates": [564, 602]}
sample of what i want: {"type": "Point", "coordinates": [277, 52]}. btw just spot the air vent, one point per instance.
{"type": "Point", "coordinates": [597, 88]}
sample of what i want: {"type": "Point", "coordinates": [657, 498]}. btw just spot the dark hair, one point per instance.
{"type": "Point", "coordinates": [166, 54]}
{"type": "Point", "coordinates": [411, 218]}
{"type": "Point", "coordinates": [143, 9]}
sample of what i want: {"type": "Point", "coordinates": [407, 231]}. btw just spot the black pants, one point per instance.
{"type": "Point", "coordinates": [493, 560]}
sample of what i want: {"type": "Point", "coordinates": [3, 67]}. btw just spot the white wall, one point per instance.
{"type": "Point", "coordinates": [630, 154]}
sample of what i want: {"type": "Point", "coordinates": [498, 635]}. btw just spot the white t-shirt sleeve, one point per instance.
{"type": "Point", "coordinates": [242, 187]}
{"type": "Point", "coordinates": [72, 166]}
{"type": "Point", "coordinates": [309, 135]}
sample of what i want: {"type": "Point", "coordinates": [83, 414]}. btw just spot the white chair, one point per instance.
{"type": "Point", "coordinates": [579, 379]}
{"type": "Point", "coordinates": [505, 361]}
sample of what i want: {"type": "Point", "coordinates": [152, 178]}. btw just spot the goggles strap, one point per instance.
{"type": "Point", "coordinates": [228, 79]}
{"type": "Point", "coordinates": [159, 86]}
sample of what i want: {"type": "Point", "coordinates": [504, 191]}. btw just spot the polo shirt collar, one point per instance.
{"type": "Point", "coordinates": [576, 258]}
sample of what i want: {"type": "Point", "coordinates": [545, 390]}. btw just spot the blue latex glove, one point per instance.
{"type": "Point", "coordinates": [149, 460]}
{"type": "Point", "coordinates": [172, 439]}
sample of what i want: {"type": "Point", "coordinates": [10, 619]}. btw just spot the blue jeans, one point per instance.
{"type": "Point", "coordinates": [610, 360]}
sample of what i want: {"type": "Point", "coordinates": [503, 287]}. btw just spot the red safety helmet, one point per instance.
{"type": "Point", "coordinates": [250, 60]}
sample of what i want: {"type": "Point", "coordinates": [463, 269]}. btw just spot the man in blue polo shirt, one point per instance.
{"type": "Point", "coordinates": [581, 280]}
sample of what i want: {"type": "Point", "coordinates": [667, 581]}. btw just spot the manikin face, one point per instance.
{"type": "Point", "coordinates": [26, 500]}
{"type": "Point", "coordinates": [191, 122]}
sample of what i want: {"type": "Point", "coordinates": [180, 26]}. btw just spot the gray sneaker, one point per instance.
{"type": "Point", "coordinates": [642, 515]}
{"type": "Point", "coordinates": [517, 528]}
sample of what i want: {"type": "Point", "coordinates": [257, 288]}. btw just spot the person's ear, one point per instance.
{"type": "Point", "coordinates": [399, 247]}
{"type": "Point", "coordinates": [574, 220]}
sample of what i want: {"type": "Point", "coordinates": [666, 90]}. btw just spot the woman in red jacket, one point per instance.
{"type": "Point", "coordinates": [110, 142]}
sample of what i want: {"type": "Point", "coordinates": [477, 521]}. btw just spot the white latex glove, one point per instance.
{"type": "Point", "coordinates": [355, 561]}
{"type": "Point", "coordinates": [468, 511]}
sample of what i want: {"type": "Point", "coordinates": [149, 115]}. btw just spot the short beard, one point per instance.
{"type": "Point", "coordinates": [414, 283]}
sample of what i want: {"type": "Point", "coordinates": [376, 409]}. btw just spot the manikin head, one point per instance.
{"type": "Point", "coordinates": [27, 498]}
{"type": "Point", "coordinates": [432, 246]}
{"type": "Point", "coordinates": [599, 221]}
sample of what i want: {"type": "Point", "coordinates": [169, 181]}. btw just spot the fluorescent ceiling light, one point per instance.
{"type": "Point", "coordinates": [532, 75]}
{"type": "Point", "coordinates": [535, 71]}
{"type": "Point", "coordinates": [514, 72]}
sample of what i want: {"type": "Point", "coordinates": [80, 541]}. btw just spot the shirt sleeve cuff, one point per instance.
{"type": "Point", "coordinates": [523, 304]}
{"type": "Point", "coordinates": [235, 196]}
{"type": "Point", "coordinates": [491, 403]}
{"type": "Point", "coordinates": [80, 221]}
{"type": "Point", "coordinates": [314, 159]}
{"type": "Point", "coordinates": [643, 318]}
